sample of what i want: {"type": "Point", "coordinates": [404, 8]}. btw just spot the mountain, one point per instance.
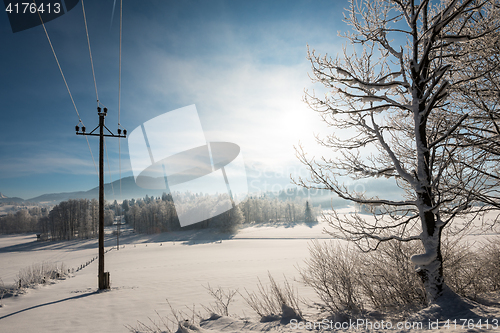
{"type": "Point", "coordinates": [6, 199]}
{"type": "Point", "coordinates": [129, 190]}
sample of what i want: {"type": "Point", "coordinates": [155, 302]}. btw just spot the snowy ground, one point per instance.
{"type": "Point", "coordinates": [150, 269]}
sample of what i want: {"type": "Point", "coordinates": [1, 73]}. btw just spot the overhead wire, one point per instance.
{"type": "Point", "coordinates": [66, 83]}
{"type": "Point", "coordinates": [119, 109]}
{"type": "Point", "coordinates": [97, 95]}
{"type": "Point", "coordinates": [90, 52]}
{"type": "Point", "coordinates": [119, 97]}
{"type": "Point", "coordinates": [109, 169]}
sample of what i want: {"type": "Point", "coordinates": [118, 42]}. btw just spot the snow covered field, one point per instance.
{"type": "Point", "coordinates": [147, 271]}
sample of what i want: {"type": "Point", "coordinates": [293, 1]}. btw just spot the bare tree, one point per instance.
{"type": "Point", "coordinates": [482, 98]}
{"type": "Point", "coordinates": [389, 101]}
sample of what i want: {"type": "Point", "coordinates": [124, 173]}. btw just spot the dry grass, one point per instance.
{"type": "Point", "coordinates": [176, 322]}
{"type": "Point", "coordinates": [350, 282]}
{"type": "Point", "coordinates": [267, 302]}
{"type": "Point", "coordinates": [223, 298]}
{"type": "Point", "coordinates": [40, 274]}
{"type": "Point", "coordinates": [470, 272]}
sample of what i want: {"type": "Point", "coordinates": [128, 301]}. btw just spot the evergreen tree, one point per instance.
{"type": "Point", "coordinates": [308, 214]}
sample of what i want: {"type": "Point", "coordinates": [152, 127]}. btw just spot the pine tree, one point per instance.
{"type": "Point", "coordinates": [308, 214]}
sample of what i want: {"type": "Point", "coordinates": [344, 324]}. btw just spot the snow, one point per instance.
{"type": "Point", "coordinates": [146, 272]}
{"type": "Point", "coordinates": [150, 269]}
{"type": "Point", "coordinates": [368, 99]}
{"type": "Point", "coordinates": [343, 72]}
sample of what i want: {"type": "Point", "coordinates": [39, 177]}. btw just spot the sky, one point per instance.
{"type": "Point", "coordinates": [242, 63]}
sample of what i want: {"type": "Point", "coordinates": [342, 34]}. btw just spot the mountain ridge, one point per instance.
{"type": "Point", "coordinates": [129, 190]}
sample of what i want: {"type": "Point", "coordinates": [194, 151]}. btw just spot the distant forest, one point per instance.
{"type": "Point", "coordinates": [79, 218]}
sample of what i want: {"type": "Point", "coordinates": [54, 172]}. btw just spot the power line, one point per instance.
{"type": "Point", "coordinates": [120, 65]}
{"type": "Point", "coordinates": [119, 97]}
{"type": "Point", "coordinates": [90, 52]}
{"type": "Point", "coordinates": [119, 125]}
{"type": "Point", "coordinates": [92, 155]}
{"type": "Point", "coordinates": [65, 82]}
{"type": "Point", "coordinates": [109, 169]}
{"type": "Point", "coordinates": [58, 65]}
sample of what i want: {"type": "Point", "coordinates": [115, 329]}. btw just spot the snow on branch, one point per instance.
{"type": "Point", "coordinates": [401, 171]}
{"type": "Point", "coordinates": [456, 38]}
{"type": "Point", "coordinates": [424, 259]}
{"type": "Point", "coordinates": [448, 133]}
{"type": "Point", "coordinates": [342, 72]}
{"type": "Point", "coordinates": [377, 86]}
{"type": "Point", "coordinates": [387, 172]}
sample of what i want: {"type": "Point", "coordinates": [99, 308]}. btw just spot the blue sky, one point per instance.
{"type": "Point", "coordinates": [242, 63]}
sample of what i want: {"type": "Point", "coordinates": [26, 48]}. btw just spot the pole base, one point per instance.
{"type": "Point", "coordinates": [104, 281]}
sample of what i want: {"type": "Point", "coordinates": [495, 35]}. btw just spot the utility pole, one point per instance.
{"type": "Point", "coordinates": [103, 277]}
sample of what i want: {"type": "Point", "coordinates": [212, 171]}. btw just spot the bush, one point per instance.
{"type": "Point", "coordinates": [40, 274]}
{"type": "Point", "coordinates": [269, 300]}
{"type": "Point", "coordinates": [334, 273]}
{"type": "Point", "coordinates": [389, 280]}
{"type": "Point", "coordinates": [491, 265]}
{"type": "Point", "coordinates": [471, 272]}
{"type": "Point", "coordinates": [222, 300]}
{"type": "Point", "coordinates": [350, 282]}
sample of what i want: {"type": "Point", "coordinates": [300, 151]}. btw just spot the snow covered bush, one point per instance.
{"type": "Point", "coordinates": [350, 282]}
{"type": "Point", "coordinates": [40, 274]}
{"type": "Point", "coordinates": [388, 278]}
{"type": "Point", "coordinates": [472, 270]}
{"type": "Point", "coordinates": [491, 265]}
{"type": "Point", "coordinates": [271, 301]}
{"type": "Point", "coordinates": [334, 272]}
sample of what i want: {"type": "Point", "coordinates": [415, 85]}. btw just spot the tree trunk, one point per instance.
{"type": "Point", "coordinates": [429, 266]}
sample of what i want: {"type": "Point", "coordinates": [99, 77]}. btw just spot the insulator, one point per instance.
{"type": "Point", "coordinates": [119, 131]}
{"type": "Point", "coordinates": [83, 129]}
{"type": "Point", "coordinates": [77, 128]}
{"type": "Point", "coordinates": [98, 109]}
{"type": "Point", "coordinates": [105, 110]}
{"type": "Point", "coordinates": [124, 132]}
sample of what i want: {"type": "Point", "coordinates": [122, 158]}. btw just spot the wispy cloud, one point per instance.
{"type": "Point", "coordinates": [241, 97]}
{"type": "Point", "coordinates": [41, 163]}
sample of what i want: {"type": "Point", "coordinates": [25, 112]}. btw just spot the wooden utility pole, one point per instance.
{"type": "Point", "coordinates": [103, 277]}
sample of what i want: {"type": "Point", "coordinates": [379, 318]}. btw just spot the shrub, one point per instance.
{"type": "Point", "coordinates": [40, 274]}
{"type": "Point", "coordinates": [268, 301]}
{"type": "Point", "coordinates": [348, 281]}
{"type": "Point", "coordinates": [389, 280]}
{"type": "Point", "coordinates": [471, 272]}
{"type": "Point", "coordinates": [334, 273]}
{"type": "Point", "coordinates": [222, 300]}
{"type": "Point", "coordinates": [491, 265]}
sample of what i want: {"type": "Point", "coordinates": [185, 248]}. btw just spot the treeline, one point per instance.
{"type": "Point", "coordinates": [154, 215]}
{"type": "Point", "coordinates": [22, 221]}
{"type": "Point", "coordinates": [79, 218]}
{"type": "Point", "coordinates": [75, 218]}
{"type": "Point", "coordinates": [264, 209]}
